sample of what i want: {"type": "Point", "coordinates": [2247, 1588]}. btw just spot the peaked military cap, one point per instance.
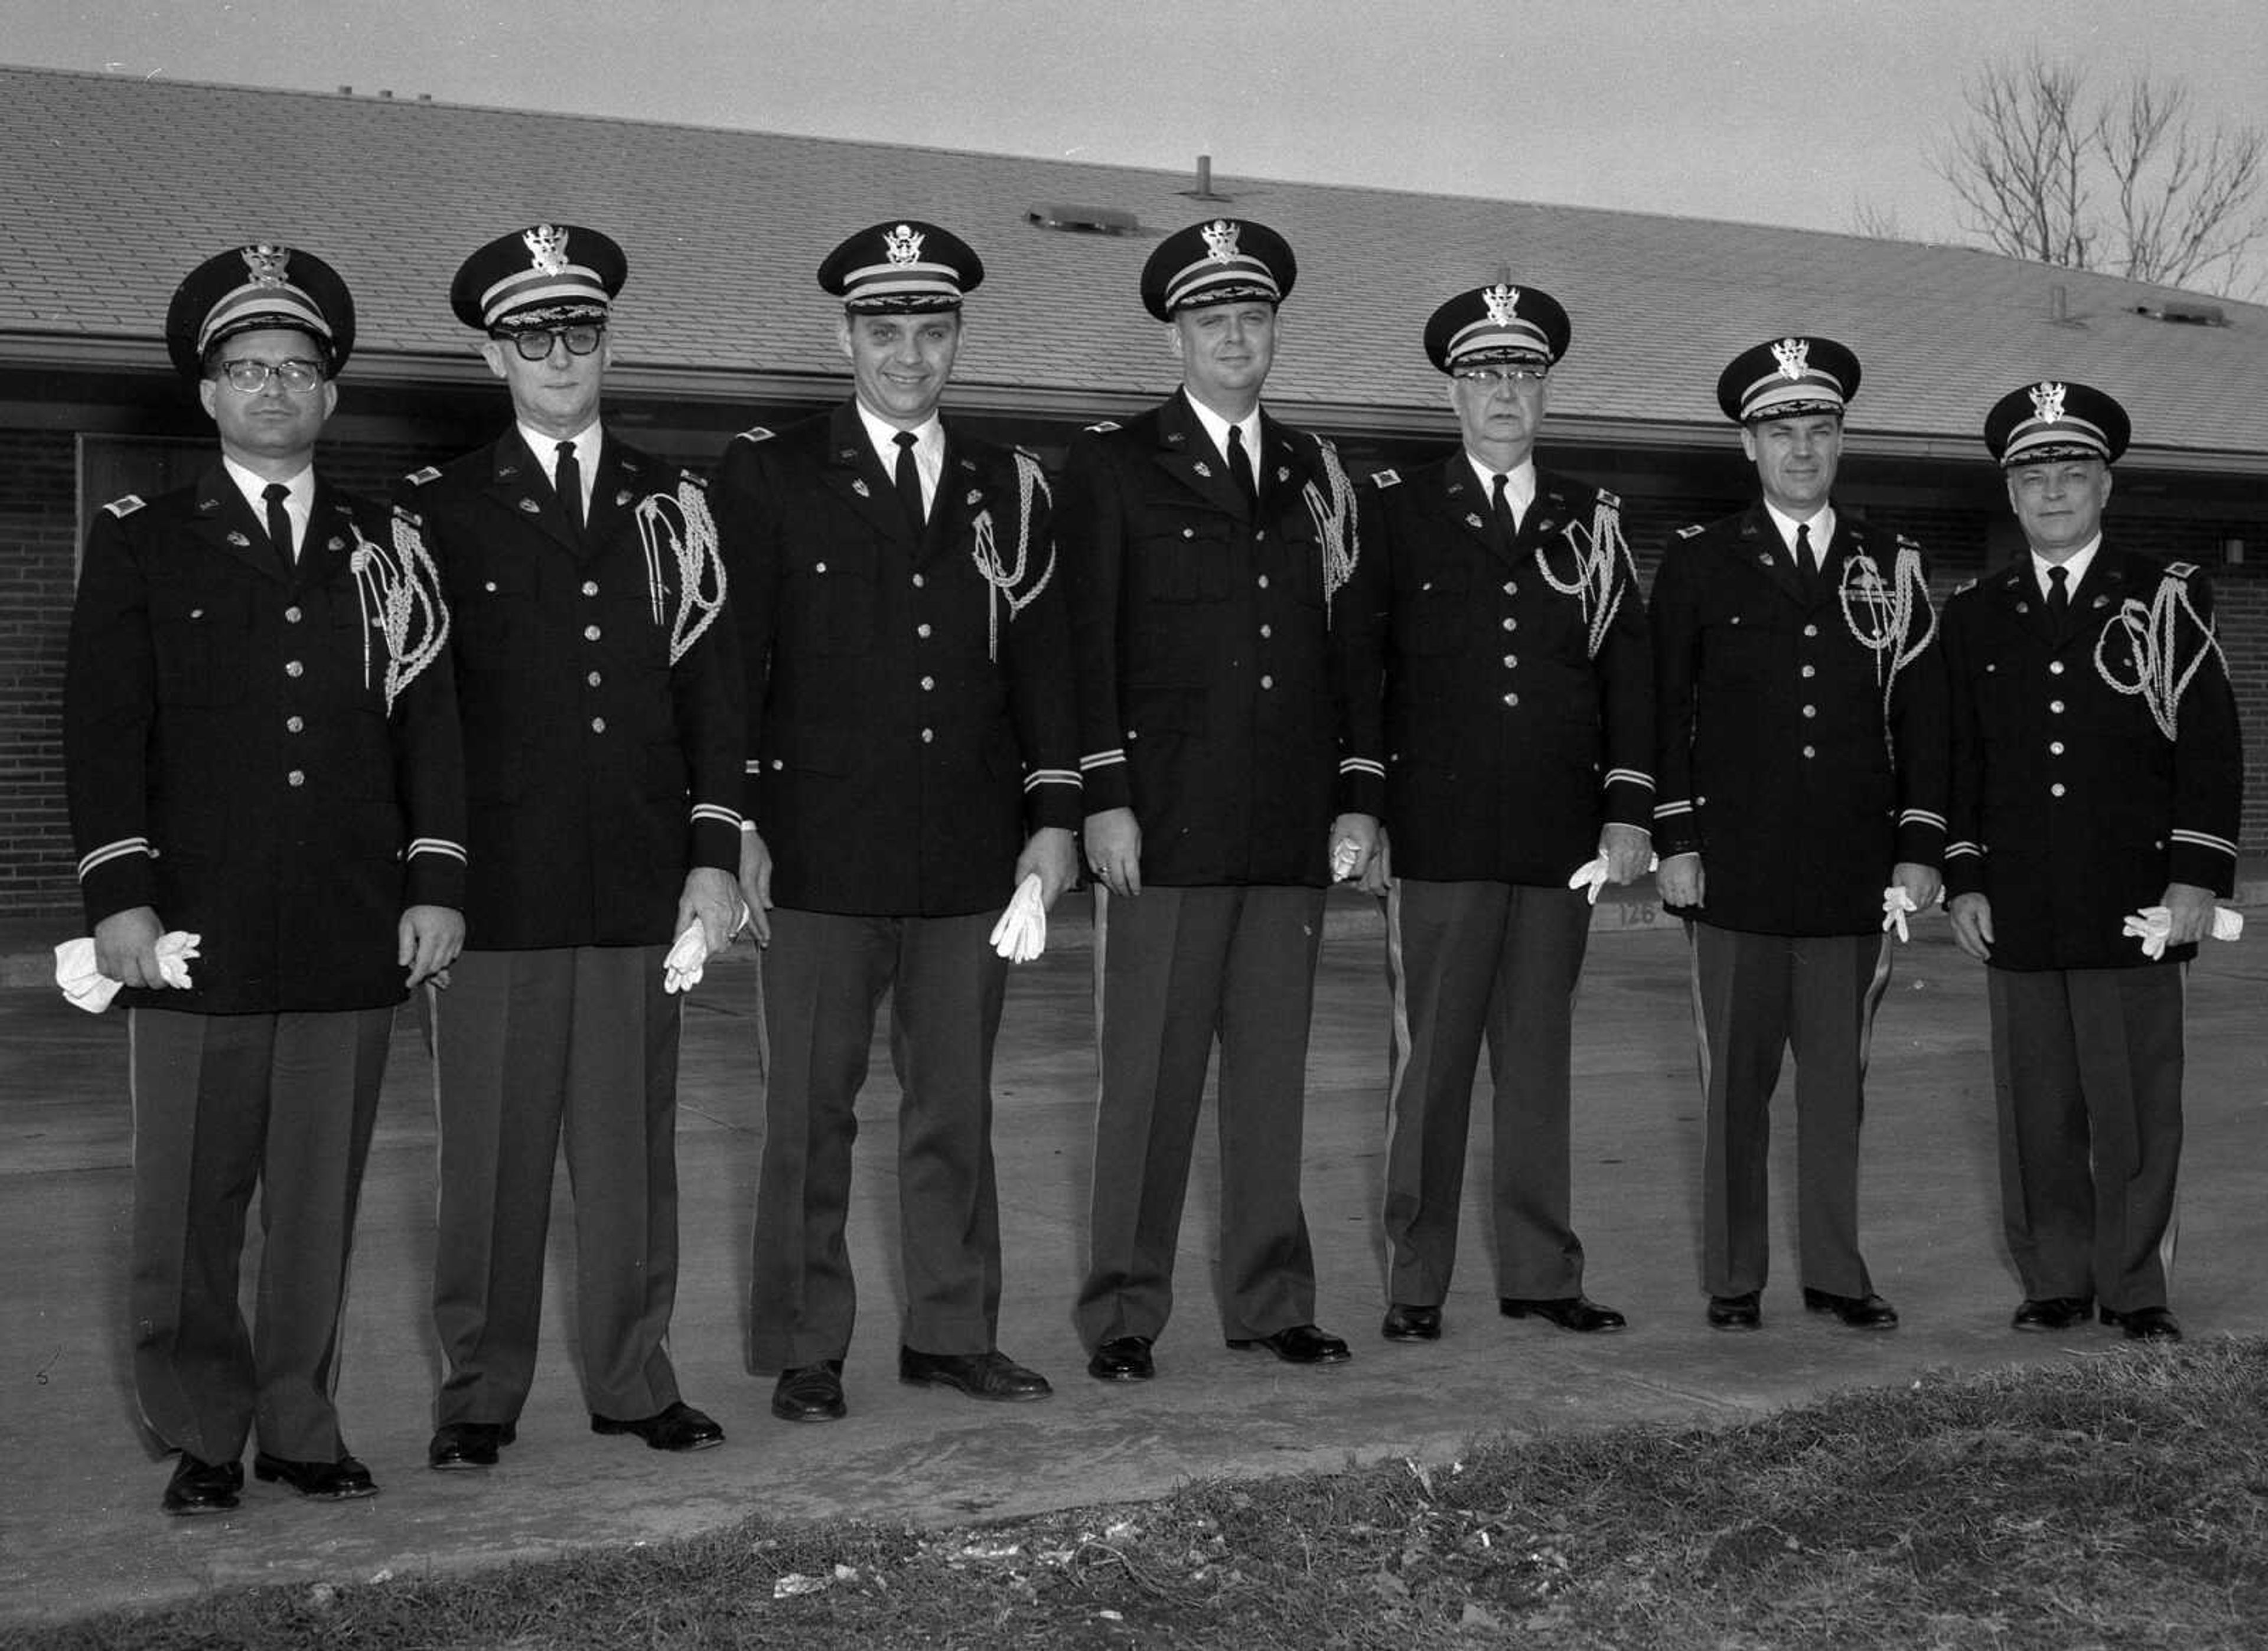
{"type": "Point", "coordinates": [1788, 378]}
{"type": "Point", "coordinates": [1495, 324]}
{"type": "Point", "coordinates": [902, 267]}
{"type": "Point", "coordinates": [1222, 260]}
{"type": "Point", "coordinates": [547, 274]}
{"type": "Point", "coordinates": [2056, 419]}
{"type": "Point", "coordinates": [248, 288]}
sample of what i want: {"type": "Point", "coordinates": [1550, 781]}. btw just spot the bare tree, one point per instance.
{"type": "Point", "coordinates": [2130, 183]}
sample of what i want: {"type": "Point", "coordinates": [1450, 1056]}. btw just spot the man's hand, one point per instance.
{"type": "Point", "coordinates": [1379, 874]}
{"type": "Point", "coordinates": [755, 885]}
{"type": "Point", "coordinates": [713, 899]}
{"type": "Point", "coordinates": [1113, 850]}
{"type": "Point", "coordinates": [1972, 925]}
{"type": "Point", "coordinates": [2191, 910]}
{"type": "Point", "coordinates": [1358, 832]}
{"type": "Point", "coordinates": [1627, 849]}
{"type": "Point", "coordinates": [126, 947]}
{"type": "Point", "coordinates": [1921, 883]}
{"type": "Point", "coordinates": [1680, 881]}
{"type": "Point", "coordinates": [1053, 852]}
{"type": "Point", "coordinates": [430, 938]}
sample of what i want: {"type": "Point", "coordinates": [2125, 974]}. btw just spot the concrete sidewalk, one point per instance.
{"type": "Point", "coordinates": [80, 1530]}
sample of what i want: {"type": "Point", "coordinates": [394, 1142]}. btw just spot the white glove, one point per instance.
{"type": "Point", "coordinates": [1346, 855]}
{"type": "Point", "coordinates": [1021, 934]}
{"type": "Point", "coordinates": [681, 970]}
{"type": "Point", "coordinates": [1591, 875]}
{"type": "Point", "coordinates": [2153, 923]}
{"type": "Point", "coordinates": [91, 990]}
{"type": "Point", "coordinates": [1895, 904]}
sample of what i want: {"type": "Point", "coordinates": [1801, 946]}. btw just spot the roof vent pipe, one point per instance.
{"type": "Point", "coordinates": [2059, 303]}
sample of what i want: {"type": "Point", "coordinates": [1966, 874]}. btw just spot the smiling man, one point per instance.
{"type": "Point", "coordinates": [1800, 721]}
{"type": "Point", "coordinates": [261, 750]}
{"type": "Point", "coordinates": [2097, 772]}
{"type": "Point", "coordinates": [602, 707]}
{"type": "Point", "coordinates": [1229, 777]}
{"type": "Point", "coordinates": [1520, 747]}
{"type": "Point", "coordinates": [911, 762]}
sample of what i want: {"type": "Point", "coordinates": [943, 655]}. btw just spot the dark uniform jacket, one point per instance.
{"type": "Point", "coordinates": [909, 695]}
{"type": "Point", "coordinates": [1518, 686]}
{"type": "Point", "coordinates": [601, 693]}
{"type": "Point", "coordinates": [1215, 695]}
{"type": "Point", "coordinates": [261, 756]}
{"type": "Point", "coordinates": [1779, 763]}
{"type": "Point", "coordinates": [2073, 808]}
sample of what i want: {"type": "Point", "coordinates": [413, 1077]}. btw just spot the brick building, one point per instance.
{"type": "Point", "coordinates": [116, 185]}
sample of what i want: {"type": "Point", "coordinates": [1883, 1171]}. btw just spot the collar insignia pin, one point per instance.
{"type": "Point", "coordinates": [531, 507]}
{"type": "Point", "coordinates": [858, 486]}
{"type": "Point", "coordinates": [623, 498]}
{"type": "Point", "coordinates": [1793, 355]}
{"type": "Point", "coordinates": [1283, 472]}
{"type": "Point", "coordinates": [1472, 520]}
{"type": "Point", "coordinates": [902, 243]}
{"type": "Point", "coordinates": [547, 249]}
{"type": "Point", "coordinates": [239, 540]}
{"type": "Point", "coordinates": [975, 496]}
{"type": "Point", "coordinates": [1204, 470]}
{"type": "Point", "coordinates": [336, 543]}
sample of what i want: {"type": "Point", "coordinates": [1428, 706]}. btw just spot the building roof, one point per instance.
{"type": "Point", "coordinates": [118, 185]}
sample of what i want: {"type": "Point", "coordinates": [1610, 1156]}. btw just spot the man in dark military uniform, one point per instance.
{"type": "Point", "coordinates": [1800, 716]}
{"type": "Point", "coordinates": [1520, 749]}
{"type": "Point", "coordinates": [601, 701]}
{"type": "Point", "coordinates": [1205, 543]}
{"type": "Point", "coordinates": [2097, 775]}
{"type": "Point", "coordinates": [260, 742]}
{"type": "Point", "coordinates": [912, 763]}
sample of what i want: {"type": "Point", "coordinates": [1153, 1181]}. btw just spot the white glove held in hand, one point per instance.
{"type": "Point", "coordinates": [1021, 934]}
{"type": "Point", "coordinates": [91, 990]}
{"type": "Point", "coordinates": [1895, 904]}
{"type": "Point", "coordinates": [2153, 923]}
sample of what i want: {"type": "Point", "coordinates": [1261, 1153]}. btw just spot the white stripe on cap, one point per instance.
{"type": "Point", "coordinates": [289, 305]}
{"type": "Point", "coordinates": [1243, 270]}
{"type": "Point", "coordinates": [1777, 391]}
{"type": "Point", "coordinates": [2033, 435]}
{"type": "Point", "coordinates": [524, 288]}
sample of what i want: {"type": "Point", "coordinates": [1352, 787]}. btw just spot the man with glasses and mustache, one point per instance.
{"type": "Point", "coordinates": [260, 747]}
{"type": "Point", "coordinates": [601, 716]}
{"type": "Point", "coordinates": [1519, 778]}
{"type": "Point", "coordinates": [1800, 814]}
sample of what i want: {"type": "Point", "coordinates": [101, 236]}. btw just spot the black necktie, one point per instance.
{"type": "Point", "coordinates": [908, 482]}
{"type": "Point", "coordinates": [1807, 565]}
{"type": "Point", "coordinates": [568, 478]}
{"type": "Point", "coordinates": [1501, 509]}
{"type": "Point", "coordinates": [279, 523]}
{"type": "Point", "coordinates": [2059, 595]}
{"type": "Point", "coordinates": [1239, 465]}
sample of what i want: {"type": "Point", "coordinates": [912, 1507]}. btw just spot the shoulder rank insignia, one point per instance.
{"type": "Point", "coordinates": [2174, 569]}
{"type": "Point", "coordinates": [123, 508]}
{"type": "Point", "coordinates": [1688, 532]}
{"type": "Point", "coordinates": [1612, 500]}
{"type": "Point", "coordinates": [753, 433]}
{"type": "Point", "coordinates": [1385, 479]}
{"type": "Point", "coordinates": [1102, 428]}
{"type": "Point", "coordinates": [419, 478]}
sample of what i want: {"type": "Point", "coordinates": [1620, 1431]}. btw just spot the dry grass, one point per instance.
{"type": "Point", "coordinates": [2120, 1499]}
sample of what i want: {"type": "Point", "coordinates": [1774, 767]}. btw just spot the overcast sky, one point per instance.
{"type": "Point", "coordinates": [1780, 111]}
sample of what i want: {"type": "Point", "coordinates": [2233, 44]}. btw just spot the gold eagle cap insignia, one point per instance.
{"type": "Point", "coordinates": [268, 263]}
{"type": "Point", "coordinates": [1220, 239]}
{"type": "Point", "coordinates": [902, 244]}
{"type": "Point", "coordinates": [2047, 401]}
{"type": "Point", "coordinates": [1793, 355]}
{"type": "Point", "coordinates": [547, 249]}
{"type": "Point", "coordinates": [1503, 304]}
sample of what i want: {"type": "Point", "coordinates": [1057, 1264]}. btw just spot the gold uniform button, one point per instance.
{"type": "Point", "coordinates": [2055, 748]}
{"type": "Point", "coordinates": [296, 777]}
{"type": "Point", "coordinates": [2055, 667]}
{"type": "Point", "coordinates": [1267, 682]}
{"type": "Point", "coordinates": [290, 616]}
{"type": "Point", "coordinates": [590, 587]}
{"type": "Point", "coordinates": [295, 724]}
{"type": "Point", "coordinates": [2056, 705]}
{"type": "Point", "coordinates": [1512, 700]}
{"type": "Point", "coordinates": [598, 724]}
{"type": "Point", "coordinates": [1510, 661]}
{"type": "Point", "coordinates": [1811, 710]}
{"type": "Point", "coordinates": [1259, 536]}
{"type": "Point", "coordinates": [590, 632]}
{"type": "Point", "coordinates": [293, 668]}
{"type": "Point", "coordinates": [919, 582]}
{"type": "Point", "coordinates": [1510, 589]}
{"type": "Point", "coordinates": [929, 684]}
{"type": "Point", "coordinates": [1266, 631]}
{"type": "Point", "coordinates": [489, 585]}
{"type": "Point", "coordinates": [929, 737]}
{"type": "Point", "coordinates": [1809, 752]}
{"type": "Point", "coordinates": [1511, 623]}
{"type": "Point", "coordinates": [1809, 671]}
{"type": "Point", "coordinates": [594, 678]}
{"type": "Point", "coordinates": [921, 630]}
{"type": "Point", "coordinates": [2056, 790]}
{"type": "Point", "coordinates": [1262, 582]}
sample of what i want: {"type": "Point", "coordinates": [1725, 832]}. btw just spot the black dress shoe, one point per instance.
{"type": "Point", "coordinates": [1122, 1358]}
{"type": "Point", "coordinates": [1857, 1312]}
{"type": "Point", "coordinates": [1578, 1313]}
{"type": "Point", "coordinates": [680, 1428]}
{"type": "Point", "coordinates": [810, 1393]}
{"type": "Point", "coordinates": [993, 1376]}
{"type": "Point", "coordinates": [2145, 1323]}
{"type": "Point", "coordinates": [1407, 1323]}
{"type": "Point", "coordinates": [2052, 1312]}
{"type": "Point", "coordinates": [199, 1486]}
{"type": "Point", "coordinates": [1744, 1311]}
{"type": "Point", "coordinates": [338, 1481]}
{"type": "Point", "coordinates": [1299, 1344]}
{"type": "Point", "coordinates": [468, 1444]}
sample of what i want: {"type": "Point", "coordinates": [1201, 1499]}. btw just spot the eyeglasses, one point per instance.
{"type": "Point", "coordinates": [536, 343]}
{"type": "Point", "coordinates": [252, 377]}
{"type": "Point", "coordinates": [1493, 377]}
